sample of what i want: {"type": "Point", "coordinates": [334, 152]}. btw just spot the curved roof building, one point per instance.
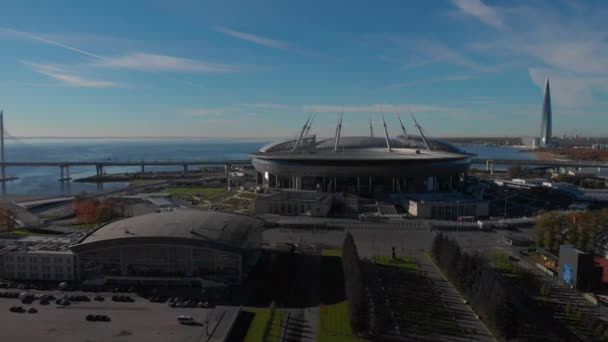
{"type": "Point", "coordinates": [361, 164]}
{"type": "Point", "coordinates": [179, 244]}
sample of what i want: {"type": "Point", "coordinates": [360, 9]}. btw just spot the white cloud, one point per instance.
{"type": "Point", "coordinates": [153, 62]}
{"type": "Point", "coordinates": [256, 39]}
{"type": "Point", "coordinates": [269, 42]}
{"type": "Point", "coordinates": [204, 112]}
{"type": "Point", "coordinates": [450, 78]}
{"type": "Point", "coordinates": [481, 11]}
{"type": "Point", "coordinates": [440, 52]}
{"type": "Point", "coordinates": [373, 108]}
{"type": "Point", "coordinates": [422, 52]}
{"type": "Point", "coordinates": [266, 105]}
{"type": "Point", "coordinates": [571, 47]}
{"type": "Point", "coordinates": [69, 78]}
{"type": "Point", "coordinates": [568, 89]}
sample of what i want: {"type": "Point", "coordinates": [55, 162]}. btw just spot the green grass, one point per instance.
{"type": "Point", "coordinates": [27, 232]}
{"type": "Point", "coordinates": [233, 201]}
{"type": "Point", "coordinates": [137, 182]}
{"type": "Point", "coordinates": [223, 206]}
{"type": "Point", "coordinates": [405, 262]}
{"type": "Point", "coordinates": [207, 192]}
{"type": "Point", "coordinates": [501, 261]}
{"type": "Point", "coordinates": [332, 252]}
{"type": "Point", "coordinates": [256, 329]}
{"type": "Point", "coordinates": [334, 324]}
{"type": "Point", "coordinates": [248, 195]}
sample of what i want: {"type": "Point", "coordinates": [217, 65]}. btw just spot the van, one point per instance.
{"type": "Point", "coordinates": [184, 318]}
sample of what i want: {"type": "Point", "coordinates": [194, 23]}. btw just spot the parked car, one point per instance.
{"type": "Point", "coordinates": [97, 318]}
{"type": "Point", "coordinates": [32, 310]}
{"type": "Point", "coordinates": [99, 298]}
{"type": "Point", "coordinates": [102, 318]}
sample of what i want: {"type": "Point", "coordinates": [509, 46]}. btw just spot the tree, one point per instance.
{"type": "Point", "coordinates": [353, 284]}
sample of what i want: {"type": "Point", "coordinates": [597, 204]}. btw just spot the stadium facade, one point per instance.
{"type": "Point", "coordinates": [362, 164]}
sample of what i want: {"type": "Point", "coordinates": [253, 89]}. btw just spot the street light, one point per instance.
{"type": "Point", "coordinates": [505, 211]}
{"type": "Point", "coordinates": [457, 216]}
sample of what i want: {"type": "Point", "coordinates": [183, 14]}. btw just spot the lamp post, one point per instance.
{"type": "Point", "coordinates": [505, 211]}
{"type": "Point", "coordinates": [457, 216]}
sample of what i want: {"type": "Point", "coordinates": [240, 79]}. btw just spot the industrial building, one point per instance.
{"type": "Point", "coordinates": [362, 164]}
{"type": "Point", "coordinates": [183, 246]}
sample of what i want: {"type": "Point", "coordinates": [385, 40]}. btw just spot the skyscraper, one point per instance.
{"type": "Point", "coordinates": [545, 124]}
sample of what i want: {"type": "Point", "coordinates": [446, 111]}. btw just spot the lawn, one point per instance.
{"type": "Point", "coordinates": [334, 324]}
{"type": "Point", "coordinates": [256, 329]}
{"type": "Point", "coordinates": [137, 182]}
{"type": "Point", "coordinates": [207, 192]}
{"type": "Point", "coordinates": [248, 195]}
{"type": "Point", "coordinates": [233, 201]}
{"type": "Point", "coordinates": [28, 232]}
{"type": "Point", "coordinates": [332, 252]}
{"type": "Point", "coordinates": [405, 262]}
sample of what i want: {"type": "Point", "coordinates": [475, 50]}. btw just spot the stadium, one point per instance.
{"type": "Point", "coordinates": [362, 164]}
{"type": "Point", "coordinates": [182, 246]}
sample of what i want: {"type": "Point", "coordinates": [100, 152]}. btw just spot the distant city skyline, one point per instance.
{"type": "Point", "coordinates": [202, 69]}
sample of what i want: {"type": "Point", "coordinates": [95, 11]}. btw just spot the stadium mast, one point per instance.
{"type": "Point", "coordinates": [424, 140]}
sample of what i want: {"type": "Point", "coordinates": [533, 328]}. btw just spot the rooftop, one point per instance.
{"type": "Point", "coordinates": [358, 147]}
{"type": "Point", "coordinates": [197, 226]}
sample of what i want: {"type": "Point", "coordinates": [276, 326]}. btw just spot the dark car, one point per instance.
{"type": "Point", "coordinates": [102, 318]}
{"type": "Point", "coordinates": [32, 310]}
{"type": "Point", "coordinates": [99, 298]}
{"type": "Point", "coordinates": [91, 318]}
{"type": "Point", "coordinates": [44, 302]}
{"type": "Point", "coordinates": [63, 302]}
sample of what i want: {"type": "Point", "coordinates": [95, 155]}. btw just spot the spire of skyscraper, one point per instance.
{"type": "Point", "coordinates": [546, 121]}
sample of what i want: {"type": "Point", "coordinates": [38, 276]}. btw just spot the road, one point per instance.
{"type": "Point", "coordinates": [371, 242]}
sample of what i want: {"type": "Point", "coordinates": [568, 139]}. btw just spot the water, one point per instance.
{"type": "Point", "coordinates": [43, 180]}
{"type": "Point", "coordinates": [497, 152]}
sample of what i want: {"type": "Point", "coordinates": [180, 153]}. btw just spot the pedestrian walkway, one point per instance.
{"type": "Point", "coordinates": [300, 325]}
{"type": "Point", "coordinates": [464, 315]}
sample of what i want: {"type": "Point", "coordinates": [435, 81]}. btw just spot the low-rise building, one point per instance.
{"type": "Point", "coordinates": [445, 206]}
{"type": "Point", "coordinates": [295, 203]}
{"type": "Point", "coordinates": [46, 259]}
{"type": "Point", "coordinates": [578, 269]}
{"type": "Point", "coordinates": [183, 246]}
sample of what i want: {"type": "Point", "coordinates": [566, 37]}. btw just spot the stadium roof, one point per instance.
{"type": "Point", "coordinates": [181, 226]}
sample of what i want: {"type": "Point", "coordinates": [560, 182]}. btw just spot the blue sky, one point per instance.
{"type": "Point", "coordinates": [257, 68]}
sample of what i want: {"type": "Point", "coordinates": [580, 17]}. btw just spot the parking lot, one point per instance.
{"type": "Point", "coordinates": [140, 320]}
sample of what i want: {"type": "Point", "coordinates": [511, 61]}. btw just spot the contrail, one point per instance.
{"type": "Point", "coordinates": [31, 36]}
